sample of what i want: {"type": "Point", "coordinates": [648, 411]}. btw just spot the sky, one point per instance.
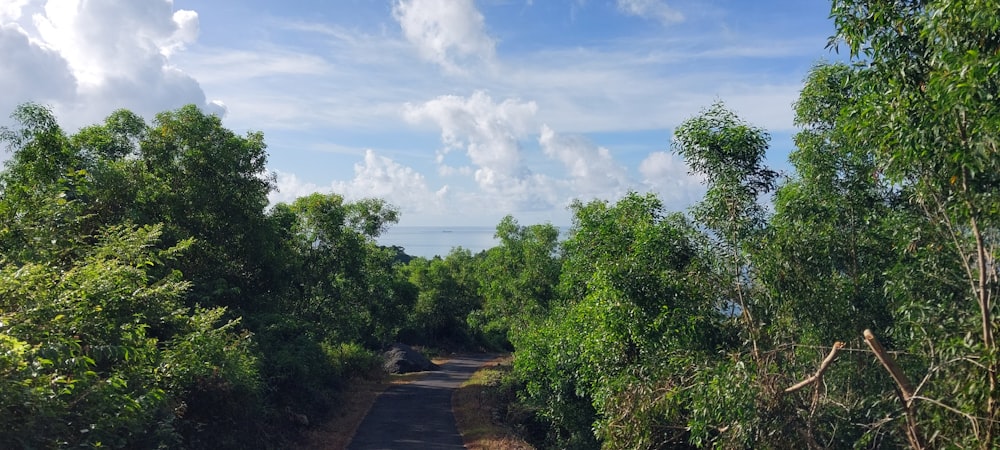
{"type": "Point", "coordinates": [458, 112]}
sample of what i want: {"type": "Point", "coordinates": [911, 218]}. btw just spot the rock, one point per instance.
{"type": "Point", "coordinates": [401, 358]}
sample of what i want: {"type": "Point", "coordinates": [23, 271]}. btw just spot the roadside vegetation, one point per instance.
{"type": "Point", "coordinates": [150, 297]}
{"type": "Point", "coordinates": [482, 407]}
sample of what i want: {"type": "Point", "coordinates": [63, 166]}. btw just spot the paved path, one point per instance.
{"type": "Point", "coordinates": [418, 415]}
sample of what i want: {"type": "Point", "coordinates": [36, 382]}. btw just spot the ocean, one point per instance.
{"type": "Point", "coordinates": [431, 241]}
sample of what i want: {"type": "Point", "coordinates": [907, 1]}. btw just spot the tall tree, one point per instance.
{"type": "Point", "coordinates": [928, 110]}
{"type": "Point", "coordinates": [343, 281]}
{"type": "Point", "coordinates": [729, 153]}
{"type": "Point", "coordinates": [208, 183]}
{"type": "Point", "coordinates": [635, 316]}
{"type": "Point", "coordinates": [824, 260]}
{"type": "Point", "coordinates": [518, 277]}
{"type": "Point", "coordinates": [448, 293]}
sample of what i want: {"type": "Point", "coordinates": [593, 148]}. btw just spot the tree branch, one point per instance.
{"type": "Point", "coordinates": [905, 391]}
{"type": "Point", "coordinates": [819, 372]}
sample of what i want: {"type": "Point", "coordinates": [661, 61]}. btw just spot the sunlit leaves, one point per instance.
{"type": "Point", "coordinates": [88, 347]}
{"type": "Point", "coordinates": [631, 304]}
{"type": "Point", "coordinates": [519, 277]}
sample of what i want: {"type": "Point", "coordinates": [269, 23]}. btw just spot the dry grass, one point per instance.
{"type": "Point", "coordinates": [474, 407]}
{"type": "Point", "coordinates": [357, 400]}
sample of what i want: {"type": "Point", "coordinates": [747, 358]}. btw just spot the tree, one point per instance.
{"type": "Point", "coordinates": [824, 259]}
{"type": "Point", "coordinates": [97, 351]}
{"type": "Point", "coordinates": [518, 278]}
{"type": "Point", "coordinates": [447, 295]}
{"type": "Point", "coordinates": [614, 357]}
{"type": "Point", "coordinates": [206, 182]}
{"type": "Point", "coordinates": [928, 110]}
{"type": "Point", "coordinates": [730, 153]}
{"type": "Point", "coordinates": [343, 281]}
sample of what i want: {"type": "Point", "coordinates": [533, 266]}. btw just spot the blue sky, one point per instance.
{"type": "Point", "coordinates": [457, 111]}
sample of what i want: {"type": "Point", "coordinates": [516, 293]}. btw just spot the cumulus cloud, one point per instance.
{"type": "Point", "coordinates": [31, 72]}
{"type": "Point", "coordinates": [289, 187]}
{"type": "Point", "coordinates": [87, 58]}
{"type": "Point", "coordinates": [445, 32]}
{"type": "Point", "coordinates": [11, 9]}
{"type": "Point", "coordinates": [374, 176]}
{"type": "Point", "coordinates": [489, 134]}
{"type": "Point", "coordinates": [592, 169]}
{"type": "Point", "coordinates": [380, 176]}
{"type": "Point", "coordinates": [668, 175]}
{"type": "Point", "coordinates": [652, 9]}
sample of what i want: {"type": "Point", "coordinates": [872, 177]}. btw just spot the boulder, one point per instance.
{"type": "Point", "coordinates": [401, 358]}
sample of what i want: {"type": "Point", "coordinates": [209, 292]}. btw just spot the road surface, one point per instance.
{"type": "Point", "coordinates": [418, 415]}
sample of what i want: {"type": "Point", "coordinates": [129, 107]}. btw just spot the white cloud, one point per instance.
{"type": "Point", "coordinates": [235, 66]}
{"type": "Point", "coordinates": [11, 9]}
{"type": "Point", "coordinates": [106, 39]}
{"type": "Point", "coordinates": [290, 187]}
{"type": "Point", "coordinates": [374, 176]}
{"type": "Point", "coordinates": [30, 72]}
{"type": "Point", "coordinates": [653, 9]}
{"type": "Point", "coordinates": [445, 32]}
{"type": "Point", "coordinates": [592, 169]}
{"type": "Point", "coordinates": [488, 133]}
{"type": "Point", "coordinates": [355, 79]}
{"type": "Point", "coordinates": [88, 58]}
{"type": "Point", "coordinates": [379, 176]}
{"type": "Point", "coordinates": [667, 174]}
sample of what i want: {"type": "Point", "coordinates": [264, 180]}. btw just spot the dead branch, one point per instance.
{"type": "Point", "coordinates": [819, 372]}
{"type": "Point", "coordinates": [905, 391]}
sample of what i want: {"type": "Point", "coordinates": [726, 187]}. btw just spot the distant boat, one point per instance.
{"type": "Point", "coordinates": [446, 231]}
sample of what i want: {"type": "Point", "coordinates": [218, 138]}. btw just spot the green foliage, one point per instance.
{"type": "Point", "coordinates": [340, 280]}
{"type": "Point", "coordinates": [728, 152]}
{"type": "Point", "coordinates": [822, 261]}
{"type": "Point", "coordinates": [447, 295]}
{"type": "Point", "coordinates": [208, 183]}
{"type": "Point", "coordinates": [111, 238]}
{"type": "Point", "coordinates": [42, 154]}
{"type": "Point", "coordinates": [98, 352]}
{"type": "Point", "coordinates": [631, 303]}
{"type": "Point", "coordinates": [927, 111]}
{"type": "Point", "coordinates": [518, 279]}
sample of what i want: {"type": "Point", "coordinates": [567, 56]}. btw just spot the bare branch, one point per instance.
{"type": "Point", "coordinates": [905, 391]}
{"type": "Point", "coordinates": [819, 372]}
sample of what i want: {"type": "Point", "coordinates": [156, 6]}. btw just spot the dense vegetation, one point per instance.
{"type": "Point", "coordinates": [149, 296]}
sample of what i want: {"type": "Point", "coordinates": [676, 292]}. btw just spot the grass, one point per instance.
{"type": "Point", "coordinates": [476, 403]}
{"type": "Point", "coordinates": [358, 398]}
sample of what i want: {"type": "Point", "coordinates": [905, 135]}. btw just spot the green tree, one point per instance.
{"type": "Point", "coordinates": [928, 110]}
{"type": "Point", "coordinates": [518, 278]}
{"type": "Point", "coordinates": [729, 154]}
{"type": "Point", "coordinates": [614, 357]}
{"type": "Point", "coordinates": [343, 281]}
{"type": "Point", "coordinates": [447, 294]}
{"type": "Point", "coordinates": [824, 260]}
{"type": "Point", "coordinates": [206, 182]}
{"type": "Point", "coordinates": [43, 182]}
{"type": "Point", "coordinates": [97, 352]}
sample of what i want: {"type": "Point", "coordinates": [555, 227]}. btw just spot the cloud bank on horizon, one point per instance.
{"type": "Point", "coordinates": [457, 111]}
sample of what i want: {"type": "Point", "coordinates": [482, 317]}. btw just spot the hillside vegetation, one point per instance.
{"type": "Point", "coordinates": [150, 297]}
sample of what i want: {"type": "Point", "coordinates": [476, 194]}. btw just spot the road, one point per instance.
{"type": "Point", "coordinates": [418, 415]}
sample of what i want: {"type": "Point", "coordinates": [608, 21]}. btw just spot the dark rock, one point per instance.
{"type": "Point", "coordinates": [401, 358]}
